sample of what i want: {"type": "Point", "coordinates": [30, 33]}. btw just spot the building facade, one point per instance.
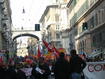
{"type": "Point", "coordinates": [6, 42]}
{"type": "Point", "coordinates": [50, 24]}
{"type": "Point", "coordinates": [88, 17]}
{"type": "Point", "coordinates": [56, 21]}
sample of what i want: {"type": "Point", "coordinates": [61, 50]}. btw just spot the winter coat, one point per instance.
{"type": "Point", "coordinates": [61, 69]}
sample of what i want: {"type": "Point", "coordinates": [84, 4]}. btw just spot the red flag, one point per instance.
{"type": "Point", "coordinates": [48, 46]}
{"type": "Point", "coordinates": [39, 52]}
{"type": "Point", "coordinates": [56, 50]}
{"type": "Point", "coordinates": [1, 59]}
{"type": "Point", "coordinates": [45, 43]}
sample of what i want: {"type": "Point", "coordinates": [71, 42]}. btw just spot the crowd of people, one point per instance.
{"type": "Point", "coordinates": [41, 68]}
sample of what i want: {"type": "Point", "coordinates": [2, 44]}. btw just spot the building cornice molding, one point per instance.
{"type": "Point", "coordinates": [88, 12]}
{"type": "Point", "coordinates": [46, 11]}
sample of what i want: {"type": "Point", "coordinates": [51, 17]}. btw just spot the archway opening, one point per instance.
{"type": "Point", "coordinates": [26, 44]}
{"type": "Point", "coordinates": [26, 34]}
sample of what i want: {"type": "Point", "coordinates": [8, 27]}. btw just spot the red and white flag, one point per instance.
{"type": "Point", "coordinates": [48, 46]}
{"type": "Point", "coordinates": [51, 48]}
{"type": "Point", "coordinates": [39, 52]}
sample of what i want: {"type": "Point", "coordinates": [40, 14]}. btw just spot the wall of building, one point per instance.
{"type": "Point", "coordinates": [94, 17]}
{"type": "Point", "coordinates": [6, 42]}
{"type": "Point", "coordinates": [90, 12]}
{"type": "Point", "coordinates": [50, 19]}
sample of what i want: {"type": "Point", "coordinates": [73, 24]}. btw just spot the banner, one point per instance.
{"type": "Point", "coordinates": [95, 70]}
{"type": "Point", "coordinates": [27, 71]}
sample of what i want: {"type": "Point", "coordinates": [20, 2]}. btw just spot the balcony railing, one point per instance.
{"type": "Point", "coordinates": [82, 11]}
{"type": "Point", "coordinates": [82, 33]}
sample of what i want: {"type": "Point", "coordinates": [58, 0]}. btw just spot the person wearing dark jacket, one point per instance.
{"type": "Point", "coordinates": [2, 72]}
{"type": "Point", "coordinates": [77, 64]}
{"type": "Point", "coordinates": [61, 67]}
{"type": "Point", "coordinates": [10, 72]}
{"type": "Point", "coordinates": [20, 74]}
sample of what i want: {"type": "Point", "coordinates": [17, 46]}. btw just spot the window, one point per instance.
{"type": "Point", "coordinates": [103, 15]}
{"type": "Point", "coordinates": [80, 12]}
{"type": "Point", "coordinates": [100, 37]}
{"type": "Point", "coordinates": [96, 19]}
{"type": "Point", "coordinates": [37, 27]}
{"type": "Point", "coordinates": [103, 35]}
{"type": "Point", "coordinates": [56, 17]}
{"type": "Point", "coordinates": [48, 18]}
{"type": "Point", "coordinates": [57, 35]}
{"type": "Point", "coordinates": [56, 0]}
{"type": "Point", "coordinates": [72, 5]}
{"type": "Point", "coordinates": [57, 27]}
{"type": "Point", "coordinates": [84, 26]}
{"type": "Point", "coordinates": [94, 41]}
{"type": "Point", "coordinates": [73, 19]}
{"type": "Point", "coordinates": [83, 9]}
{"type": "Point", "coordinates": [85, 44]}
{"type": "Point", "coordinates": [79, 29]}
{"type": "Point", "coordinates": [82, 45]}
{"type": "Point", "coordinates": [4, 25]}
{"type": "Point", "coordinates": [91, 22]}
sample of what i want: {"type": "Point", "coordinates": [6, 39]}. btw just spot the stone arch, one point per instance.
{"type": "Point", "coordinates": [26, 34]}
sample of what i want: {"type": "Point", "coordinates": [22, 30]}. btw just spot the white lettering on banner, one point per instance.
{"type": "Point", "coordinates": [27, 71]}
{"type": "Point", "coordinates": [95, 70]}
{"type": "Point", "coordinates": [96, 67]}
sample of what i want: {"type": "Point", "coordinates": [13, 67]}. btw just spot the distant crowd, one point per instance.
{"type": "Point", "coordinates": [41, 68]}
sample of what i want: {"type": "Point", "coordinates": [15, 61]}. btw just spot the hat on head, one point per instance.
{"type": "Point", "coordinates": [62, 54]}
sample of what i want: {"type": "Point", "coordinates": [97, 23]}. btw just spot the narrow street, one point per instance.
{"type": "Point", "coordinates": [43, 39]}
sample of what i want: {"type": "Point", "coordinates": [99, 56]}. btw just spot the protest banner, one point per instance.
{"type": "Point", "coordinates": [27, 71]}
{"type": "Point", "coordinates": [95, 70]}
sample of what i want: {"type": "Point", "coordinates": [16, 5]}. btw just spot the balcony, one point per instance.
{"type": "Point", "coordinates": [82, 34]}
{"type": "Point", "coordinates": [56, 40]}
{"type": "Point", "coordinates": [1, 1]}
{"type": "Point", "coordinates": [4, 17]}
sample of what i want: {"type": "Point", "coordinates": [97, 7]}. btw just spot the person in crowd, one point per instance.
{"type": "Point", "coordinates": [41, 71]}
{"type": "Point", "coordinates": [77, 64]}
{"type": "Point", "coordinates": [61, 67]}
{"type": "Point", "coordinates": [51, 64]}
{"type": "Point", "coordinates": [2, 71]}
{"type": "Point", "coordinates": [20, 74]}
{"type": "Point", "coordinates": [10, 72]}
{"type": "Point", "coordinates": [34, 73]}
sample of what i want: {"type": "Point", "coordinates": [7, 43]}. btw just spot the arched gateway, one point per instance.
{"type": "Point", "coordinates": [21, 33]}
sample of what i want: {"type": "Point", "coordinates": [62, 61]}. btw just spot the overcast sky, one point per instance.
{"type": "Point", "coordinates": [33, 11]}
